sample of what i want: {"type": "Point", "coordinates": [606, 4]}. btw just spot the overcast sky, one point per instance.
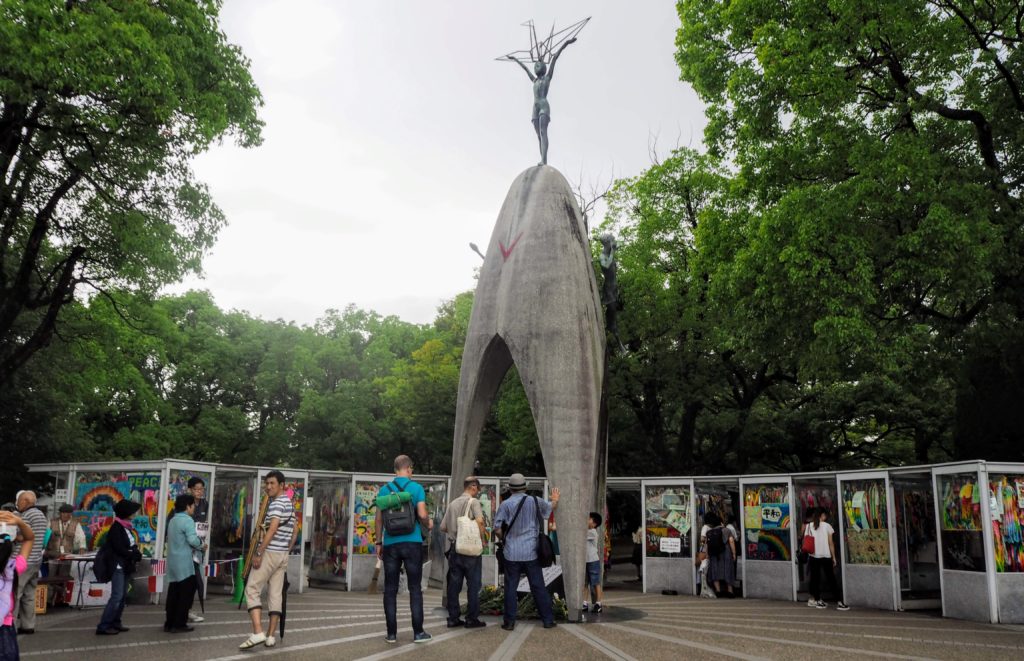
{"type": "Point", "coordinates": [392, 136]}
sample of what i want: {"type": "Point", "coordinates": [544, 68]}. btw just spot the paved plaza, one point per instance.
{"type": "Point", "coordinates": [324, 624]}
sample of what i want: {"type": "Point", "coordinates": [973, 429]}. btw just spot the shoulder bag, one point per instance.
{"type": "Point", "coordinates": [806, 544]}
{"type": "Point", "coordinates": [545, 549]}
{"type": "Point", "coordinates": [467, 538]}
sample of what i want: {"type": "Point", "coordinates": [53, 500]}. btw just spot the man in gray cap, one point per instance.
{"type": "Point", "coordinates": [67, 535]}
{"type": "Point", "coordinates": [518, 519]}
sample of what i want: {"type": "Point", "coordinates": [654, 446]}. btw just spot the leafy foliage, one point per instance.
{"type": "Point", "coordinates": [102, 106]}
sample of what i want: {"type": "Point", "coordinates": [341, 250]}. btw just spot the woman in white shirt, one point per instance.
{"type": "Point", "coordinates": [823, 559]}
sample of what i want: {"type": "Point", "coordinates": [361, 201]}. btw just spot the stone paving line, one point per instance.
{"type": "Point", "coordinates": [337, 625]}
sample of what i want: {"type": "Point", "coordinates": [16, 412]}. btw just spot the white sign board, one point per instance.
{"type": "Point", "coordinates": [670, 545]}
{"type": "Point", "coordinates": [60, 496]}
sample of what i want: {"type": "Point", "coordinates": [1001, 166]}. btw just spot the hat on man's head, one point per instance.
{"type": "Point", "coordinates": [516, 482]}
{"type": "Point", "coordinates": [66, 508]}
{"type": "Point", "coordinates": [125, 508]}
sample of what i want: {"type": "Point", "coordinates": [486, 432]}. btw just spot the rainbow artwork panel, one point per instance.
{"type": "Point", "coordinates": [766, 522]}
{"type": "Point", "coordinates": [96, 495]}
{"type": "Point", "coordinates": [768, 544]}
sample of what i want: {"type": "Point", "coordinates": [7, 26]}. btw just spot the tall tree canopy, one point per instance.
{"type": "Point", "coordinates": [102, 106]}
{"type": "Point", "coordinates": [876, 230]}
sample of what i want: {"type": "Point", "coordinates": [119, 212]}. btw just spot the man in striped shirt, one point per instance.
{"type": "Point", "coordinates": [270, 563]}
{"type": "Point", "coordinates": [26, 597]}
{"type": "Point", "coordinates": [519, 513]}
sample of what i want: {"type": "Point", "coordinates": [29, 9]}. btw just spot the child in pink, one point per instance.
{"type": "Point", "coordinates": [11, 526]}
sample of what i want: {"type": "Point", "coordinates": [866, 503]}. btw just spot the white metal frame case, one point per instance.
{"type": "Point", "coordinates": [873, 586]}
{"type": "Point", "coordinates": [767, 579]}
{"type": "Point", "coordinates": [672, 573]}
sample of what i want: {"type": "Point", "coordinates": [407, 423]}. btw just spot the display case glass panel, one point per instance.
{"type": "Point", "coordinates": [766, 522]}
{"type": "Point", "coordinates": [667, 514]}
{"type": "Point", "coordinates": [1006, 494]}
{"type": "Point", "coordinates": [177, 484]}
{"type": "Point", "coordinates": [963, 545]}
{"type": "Point", "coordinates": [329, 544]}
{"type": "Point", "coordinates": [866, 522]}
{"type": "Point", "coordinates": [364, 516]}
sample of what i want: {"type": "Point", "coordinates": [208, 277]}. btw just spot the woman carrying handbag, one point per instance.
{"type": "Point", "coordinates": [822, 558]}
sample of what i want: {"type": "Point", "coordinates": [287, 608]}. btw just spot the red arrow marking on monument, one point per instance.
{"type": "Point", "coordinates": [505, 252]}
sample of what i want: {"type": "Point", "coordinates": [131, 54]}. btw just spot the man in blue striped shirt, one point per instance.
{"type": "Point", "coordinates": [520, 548]}
{"type": "Point", "coordinates": [270, 562]}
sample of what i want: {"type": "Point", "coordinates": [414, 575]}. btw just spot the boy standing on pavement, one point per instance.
{"type": "Point", "coordinates": [270, 562]}
{"type": "Point", "coordinates": [460, 566]}
{"type": "Point", "coordinates": [592, 584]}
{"type": "Point", "coordinates": [398, 550]}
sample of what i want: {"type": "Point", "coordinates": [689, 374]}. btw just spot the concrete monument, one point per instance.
{"type": "Point", "coordinates": [538, 306]}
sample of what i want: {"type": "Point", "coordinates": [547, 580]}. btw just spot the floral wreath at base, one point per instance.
{"type": "Point", "coordinates": [492, 602]}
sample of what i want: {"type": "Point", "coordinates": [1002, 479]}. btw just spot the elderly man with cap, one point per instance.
{"type": "Point", "coordinates": [26, 597]}
{"type": "Point", "coordinates": [123, 550]}
{"type": "Point", "coordinates": [460, 565]}
{"type": "Point", "coordinates": [67, 535]}
{"type": "Point", "coordinates": [517, 519]}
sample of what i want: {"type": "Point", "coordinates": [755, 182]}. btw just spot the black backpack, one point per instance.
{"type": "Point", "coordinates": [103, 564]}
{"type": "Point", "coordinates": [400, 521]}
{"type": "Point", "coordinates": [716, 542]}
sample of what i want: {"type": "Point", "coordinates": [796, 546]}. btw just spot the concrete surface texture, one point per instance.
{"type": "Point", "coordinates": [324, 624]}
{"type": "Point", "coordinates": [537, 306]}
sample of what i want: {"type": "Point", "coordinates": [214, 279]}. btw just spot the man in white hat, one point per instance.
{"type": "Point", "coordinates": [517, 518]}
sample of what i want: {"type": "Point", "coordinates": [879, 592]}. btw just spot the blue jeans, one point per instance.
{"type": "Point", "coordinates": [409, 554]}
{"type": "Point", "coordinates": [115, 605]}
{"type": "Point", "coordinates": [535, 576]}
{"type": "Point", "coordinates": [469, 567]}
{"type": "Point", "coordinates": [8, 644]}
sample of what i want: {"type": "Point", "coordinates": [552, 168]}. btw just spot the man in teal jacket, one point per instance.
{"type": "Point", "coordinates": [182, 540]}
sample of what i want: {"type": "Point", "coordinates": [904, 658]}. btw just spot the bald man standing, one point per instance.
{"type": "Point", "coordinates": [26, 597]}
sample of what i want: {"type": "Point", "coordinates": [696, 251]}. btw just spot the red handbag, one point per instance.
{"type": "Point", "coordinates": [807, 545]}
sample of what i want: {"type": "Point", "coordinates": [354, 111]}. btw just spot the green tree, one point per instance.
{"type": "Point", "coordinates": [875, 232]}
{"type": "Point", "coordinates": [103, 104]}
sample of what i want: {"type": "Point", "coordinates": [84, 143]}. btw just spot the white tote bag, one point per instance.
{"type": "Point", "coordinates": [467, 540]}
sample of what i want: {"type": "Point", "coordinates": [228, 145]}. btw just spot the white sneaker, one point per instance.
{"type": "Point", "coordinates": [821, 604]}
{"type": "Point", "coordinates": [812, 603]}
{"type": "Point", "coordinates": [192, 617]}
{"type": "Point", "coordinates": [270, 641]}
{"type": "Point", "coordinates": [842, 606]}
{"type": "Point", "coordinates": [253, 641]}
